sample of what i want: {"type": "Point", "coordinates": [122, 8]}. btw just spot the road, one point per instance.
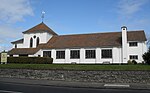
{"type": "Point", "coordinates": [32, 88]}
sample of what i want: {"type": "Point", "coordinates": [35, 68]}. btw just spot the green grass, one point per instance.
{"type": "Point", "coordinates": [74, 67]}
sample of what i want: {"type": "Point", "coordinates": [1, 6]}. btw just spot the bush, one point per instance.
{"type": "Point", "coordinates": [130, 62]}
{"type": "Point", "coordinates": [30, 60]}
{"type": "Point", "coordinates": [133, 62]}
{"type": "Point", "coordinates": [146, 57]}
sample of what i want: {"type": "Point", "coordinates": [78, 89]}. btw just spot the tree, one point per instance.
{"type": "Point", "coordinates": [146, 57]}
{"type": "Point", "coordinates": [148, 40]}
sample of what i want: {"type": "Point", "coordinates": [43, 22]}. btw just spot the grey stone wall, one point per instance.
{"type": "Point", "coordinates": [83, 76]}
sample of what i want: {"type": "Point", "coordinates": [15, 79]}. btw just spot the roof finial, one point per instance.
{"type": "Point", "coordinates": [42, 15]}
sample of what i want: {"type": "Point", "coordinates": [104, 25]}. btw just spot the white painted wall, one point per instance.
{"type": "Point", "coordinates": [116, 55]}
{"type": "Point", "coordinates": [137, 50]}
{"type": "Point", "coordinates": [15, 55]}
{"type": "Point", "coordinates": [98, 56]}
{"type": "Point", "coordinates": [38, 53]}
{"type": "Point", "coordinates": [44, 38]}
{"type": "Point", "coordinates": [19, 45]}
{"type": "Point", "coordinates": [82, 60]}
{"type": "Point", "coordinates": [124, 45]}
{"type": "Point", "coordinates": [116, 51]}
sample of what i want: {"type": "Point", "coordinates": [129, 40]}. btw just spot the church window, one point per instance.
{"type": "Point", "coordinates": [46, 53]}
{"type": "Point", "coordinates": [134, 57]}
{"type": "Point", "coordinates": [15, 45]}
{"type": "Point", "coordinates": [37, 41]}
{"type": "Point", "coordinates": [75, 54]}
{"type": "Point", "coordinates": [34, 36]}
{"type": "Point", "coordinates": [90, 54]}
{"type": "Point", "coordinates": [133, 44]}
{"type": "Point", "coordinates": [107, 53]}
{"type": "Point", "coordinates": [31, 42]}
{"type": "Point", "coordinates": [60, 54]}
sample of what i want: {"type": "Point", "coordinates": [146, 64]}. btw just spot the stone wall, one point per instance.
{"type": "Point", "coordinates": [142, 77]}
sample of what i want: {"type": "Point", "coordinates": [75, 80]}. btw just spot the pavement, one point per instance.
{"type": "Point", "coordinates": [94, 85]}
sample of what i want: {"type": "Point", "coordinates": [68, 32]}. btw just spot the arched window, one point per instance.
{"type": "Point", "coordinates": [15, 45]}
{"type": "Point", "coordinates": [31, 42]}
{"type": "Point", "coordinates": [37, 41]}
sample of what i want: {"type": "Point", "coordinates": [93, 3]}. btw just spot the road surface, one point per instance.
{"type": "Point", "coordinates": [32, 88]}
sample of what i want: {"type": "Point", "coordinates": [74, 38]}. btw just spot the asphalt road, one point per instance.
{"type": "Point", "coordinates": [26, 88]}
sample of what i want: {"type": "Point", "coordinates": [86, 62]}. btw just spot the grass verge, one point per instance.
{"type": "Point", "coordinates": [74, 67]}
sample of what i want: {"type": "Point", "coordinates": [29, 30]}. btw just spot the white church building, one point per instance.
{"type": "Point", "coordinates": [93, 48]}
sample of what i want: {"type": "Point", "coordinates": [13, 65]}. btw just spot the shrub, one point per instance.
{"type": "Point", "coordinates": [130, 62]}
{"type": "Point", "coordinates": [133, 62]}
{"type": "Point", "coordinates": [30, 60]}
{"type": "Point", "coordinates": [146, 57]}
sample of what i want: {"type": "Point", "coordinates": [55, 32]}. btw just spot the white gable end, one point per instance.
{"type": "Point", "coordinates": [43, 38]}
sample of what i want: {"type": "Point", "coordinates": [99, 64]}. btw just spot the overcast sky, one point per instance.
{"type": "Point", "coordinates": [71, 16]}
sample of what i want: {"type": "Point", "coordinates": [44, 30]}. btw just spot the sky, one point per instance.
{"type": "Point", "coordinates": [71, 17]}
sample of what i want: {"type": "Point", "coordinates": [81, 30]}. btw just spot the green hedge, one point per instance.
{"type": "Point", "coordinates": [30, 60]}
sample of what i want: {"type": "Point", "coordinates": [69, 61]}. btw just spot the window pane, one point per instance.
{"type": "Point", "coordinates": [90, 54]}
{"type": "Point", "coordinates": [134, 57]}
{"type": "Point", "coordinates": [75, 54]}
{"type": "Point", "coordinates": [107, 53]}
{"type": "Point", "coordinates": [60, 54]}
{"type": "Point", "coordinates": [46, 53]}
{"type": "Point", "coordinates": [133, 44]}
{"type": "Point", "coordinates": [37, 41]}
{"type": "Point", "coordinates": [31, 42]}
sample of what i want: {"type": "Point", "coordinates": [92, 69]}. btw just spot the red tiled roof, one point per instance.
{"type": "Point", "coordinates": [17, 51]}
{"type": "Point", "coordinates": [136, 36]}
{"type": "Point", "coordinates": [40, 28]}
{"type": "Point", "coordinates": [92, 40]}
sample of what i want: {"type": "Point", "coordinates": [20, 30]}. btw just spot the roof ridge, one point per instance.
{"type": "Point", "coordinates": [98, 33]}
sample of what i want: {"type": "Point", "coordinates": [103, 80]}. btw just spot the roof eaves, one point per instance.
{"type": "Point", "coordinates": [17, 41]}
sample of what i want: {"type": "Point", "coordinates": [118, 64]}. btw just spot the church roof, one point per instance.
{"type": "Point", "coordinates": [18, 41]}
{"type": "Point", "coordinates": [110, 39]}
{"type": "Point", "coordinates": [40, 28]}
{"type": "Point", "coordinates": [17, 51]}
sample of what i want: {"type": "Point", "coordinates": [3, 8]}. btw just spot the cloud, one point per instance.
{"type": "Point", "coordinates": [7, 35]}
{"type": "Point", "coordinates": [130, 7]}
{"type": "Point", "coordinates": [12, 11]}
{"type": "Point", "coordinates": [132, 13]}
